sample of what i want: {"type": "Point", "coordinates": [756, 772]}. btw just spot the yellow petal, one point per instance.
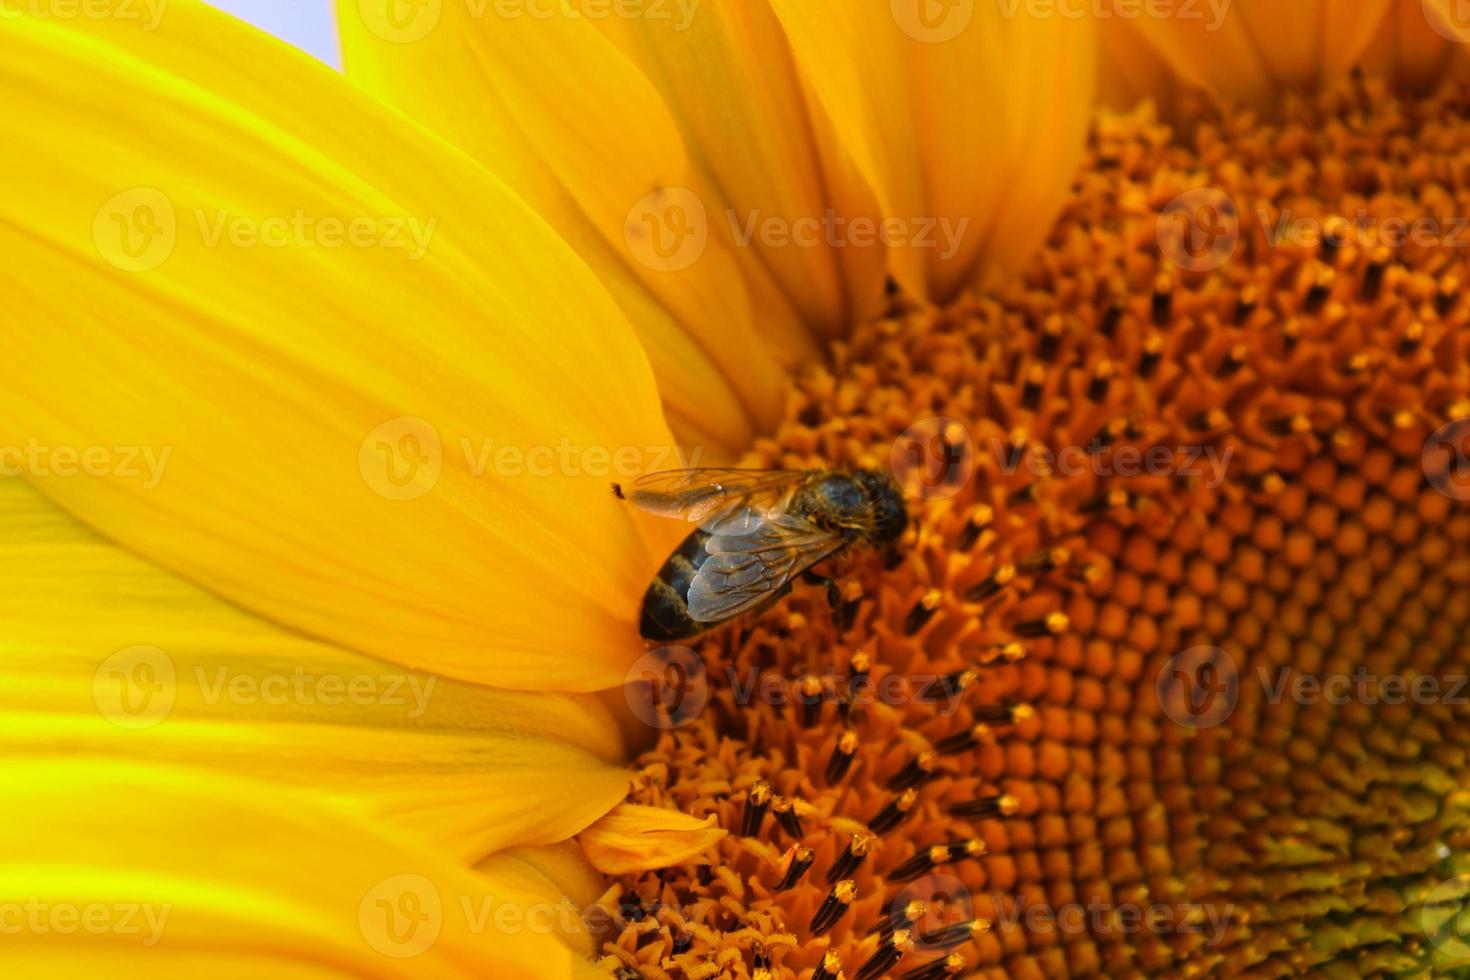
{"type": "Point", "coordinates": [640, 838]}
{"type": "Point", "coordinates": [967, 120]}
{"type": "Point", "coordinates": [1251, 51]}
{"type": "Point", "coordinates": [727, 68]}
{"type": "Point", "coordinates": [406, 456]}
{"type": "Point", "coordinates": [103, 654]}
{"type": "Point", "coordinates": [133, 871]}
{"type": "Point", "coordinates": [567, 120]}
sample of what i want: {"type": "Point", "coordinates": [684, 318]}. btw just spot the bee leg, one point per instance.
{"type": "Point", "coordinates": [834, 594]}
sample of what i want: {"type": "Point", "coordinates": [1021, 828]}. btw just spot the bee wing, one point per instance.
{"type": "Point", "coordinates": [753, 554]}
{"type": "Point", "coordinates": [707, 495]}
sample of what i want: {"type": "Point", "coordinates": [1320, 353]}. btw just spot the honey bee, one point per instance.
{"type": "Point", "coordinates": [759, 530]}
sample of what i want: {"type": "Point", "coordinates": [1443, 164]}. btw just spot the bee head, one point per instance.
{"type": "Point", "coordinates": [890, 517]}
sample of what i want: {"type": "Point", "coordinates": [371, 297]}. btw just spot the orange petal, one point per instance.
{"type": "Point", "coordinates": [641, 838]}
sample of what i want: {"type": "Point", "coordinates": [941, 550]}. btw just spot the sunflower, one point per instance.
{"type": "Point", "coordinates": [339, 372]}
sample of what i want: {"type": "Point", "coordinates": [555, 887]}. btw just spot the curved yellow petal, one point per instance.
{"type": "Point", "coordinates": [281, 340]}
{"type": "Point", "coordinates": [967, 119]}
{"type": "Point", "coordinates": [792, 191]}
{"type": "Point", "coordinates": [633, 837]}
{"type": "Point", "coordinates": [104, 654]}
{"type": "Point", "coordinates": [553, 107]}
{"type": "Point", "coordinates": [131, 871]}
{"type": "Point", "coordinates": [1252, 51]}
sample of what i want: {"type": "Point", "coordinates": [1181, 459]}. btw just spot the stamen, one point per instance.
{"type": "Point", "coordinates": [1245, 305]}
{"type": "Point", "coordinates": [950, 936]}
{"type": "Point", "coordinates": [949, 685]}
{"type": "Point", "coordinates": [991, 584]}
{"type": "Point", "coordinates": [951, 966]}
{"type": "Point", "coordinates": [830, 967]}
{"type": "Point", "coordinates": [1051, 333]}
{"type": "Point", "coordinates": [787, 817]}
{"type": "Point", "coordinates": [1051, 625]}
{"type": "Point", "coordinates": [809, 699]}
{"type": "Point", "coordinates": [978, 521]}
{"type": "Point", "coordinates": [1031, 390]}
{"type": "Point", "coordinates": [1162, 299]}
{"type": "Point", "coordinates": [756, 804]}
{"type": "Point", "coordinates": [922, 612]}
{"type": "Point", "coordinates": [901, 917]}
{"type": "Point", "coordinates": [1097, 389]}
{"type": "Point", "coordinates": [799, 860]}
{"type": "Point", "coordinates": [932, 857]}
{"type": "Point", "coordinates": [1000, 805]}
{"type": "Point", "coordinates": [852, 858]}
{"type": "Point", "coordinates": [833, 907]}
{"type": "Point", "coordinates": [886, 958]}
{"type": "Point", "coordinates": [842, 755]}
{"type": "Point", "coordinates": [918, 771]}
{"type": "Point", "coordinates": [895, 813]}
